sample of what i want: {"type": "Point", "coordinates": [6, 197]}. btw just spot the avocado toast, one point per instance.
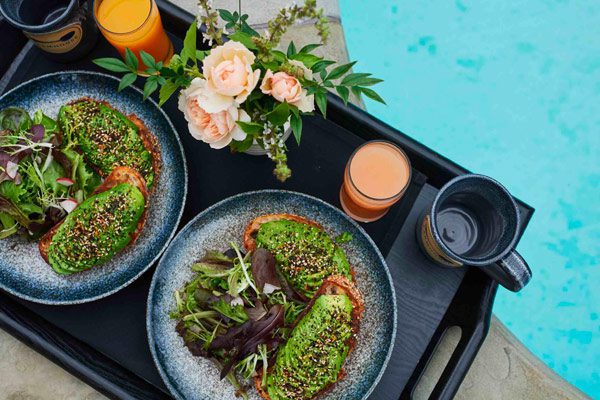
{"type": "Point", "coordinates": [242, 310]}
{"type": "Point", "coordinates": [306, 255]}
{"type": "Point", "coordinates": [108, 139]}
{"type": "Point", "coordinates": [312, 359]}
{"type": "Point", "coordinates": [100, 227]}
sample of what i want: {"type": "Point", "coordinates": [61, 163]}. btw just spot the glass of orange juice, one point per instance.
{"type": "Point", "coordinates": [375, 178]}
{"type": "Point", "coordinates": [133, 24]}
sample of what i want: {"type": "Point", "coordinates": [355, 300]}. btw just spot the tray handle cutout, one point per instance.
{"type": "Point", "coordinates": [470, 312]}
{"type": "Point", "coordinates": [437, 363]}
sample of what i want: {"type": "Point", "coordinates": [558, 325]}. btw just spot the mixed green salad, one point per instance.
{"type": "Point", "coordinates": [236, 311]}
{"type": "Point", "coordinates": [42, 178]}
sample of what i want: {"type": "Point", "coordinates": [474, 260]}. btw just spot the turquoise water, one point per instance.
{"type": "Point", "coordinates": [512, 90]}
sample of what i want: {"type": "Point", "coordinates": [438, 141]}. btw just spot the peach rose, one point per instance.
{"type": "Point", "coordinates": [229, 75]}
{"type": "Point", "coordinates": [282, 86]}
{"type": "Point", "coordinates": [217, 129]}
{"type": "Point", "coordinates": [285, 87]}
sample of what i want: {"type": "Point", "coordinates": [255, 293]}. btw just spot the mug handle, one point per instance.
{"type": "Point", "coordinates": [512, 271]}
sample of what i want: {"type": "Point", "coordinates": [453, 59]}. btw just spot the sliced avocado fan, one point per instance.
{"type": "Point", "coordinates": [314, 354]}
{"type": "Point", "coordinates": [96, 230]}
{"type": "Point", "coordinates": [305, 255]}
{"type": "Point", "coordinates": [106, 138]}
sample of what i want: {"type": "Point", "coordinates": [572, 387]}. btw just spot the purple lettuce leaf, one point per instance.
{"type": "Point", "coordinates": [263, 269]}
{"type": "Point", "coordinates": [243, 339]}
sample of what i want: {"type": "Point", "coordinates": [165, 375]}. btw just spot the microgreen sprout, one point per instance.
{"type": "Point", "coordinates": [12, 145]}
{"type": "Point", "coordinates": [247, 366]}
{"type": "Point", "coordinates": [262, 350]}
{"type": "Point", "coordinates": [244, 268]}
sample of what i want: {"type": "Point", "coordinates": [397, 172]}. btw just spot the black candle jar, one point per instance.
{"type": "Point", "coordinates": [63, 29]}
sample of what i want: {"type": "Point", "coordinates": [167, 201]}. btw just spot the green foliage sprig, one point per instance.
{"type": "Point", "coordinates": [356, 83]}
{"type": "Point", "coordinates": [285, 19]}
{"type": "Point", "coordinates": [178, 74]}
{"type": "Point", "coordinates": [237, 22]}
{"type": "Point", "coordinates": [210, 19]}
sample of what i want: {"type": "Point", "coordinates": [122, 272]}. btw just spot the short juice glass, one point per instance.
{"type": "Point", "coordinates": [375, 178]}
{"type": "Point", "coordinates": [134, 24]}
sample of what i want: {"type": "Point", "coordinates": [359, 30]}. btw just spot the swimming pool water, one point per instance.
{"type": "Point", "coordinates": [512, 90]}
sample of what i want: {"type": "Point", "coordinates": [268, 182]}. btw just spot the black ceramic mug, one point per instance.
{"type": "Point", "coordinates": [475, 221]}
{"type": "Point", "coordinates": [63, 29]}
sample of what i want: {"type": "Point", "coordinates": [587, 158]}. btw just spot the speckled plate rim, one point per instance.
{"type": "Point", "coordinates": [179, 215]}
{"type": "Point", "coordinates": [149, 305]}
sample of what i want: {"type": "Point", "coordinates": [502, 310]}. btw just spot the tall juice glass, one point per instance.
{"type": "Point", "coordinates": [133, 24]}
{"type": "Point", "coordinates": [375, 178]}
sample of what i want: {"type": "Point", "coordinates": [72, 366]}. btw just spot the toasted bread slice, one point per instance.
{"type": "Point", "coordinates": [124, 175]}
{"type": "Point", "coordinates": [46, 240]}
{"type": "Point", "coordinates": [151, 144]}
{"type": "Point", "coordinates": [334, 285]}
{"type": "Point", "coordinates": [254, 225]}
{"type": "Point", "coordinates": [118, 176]}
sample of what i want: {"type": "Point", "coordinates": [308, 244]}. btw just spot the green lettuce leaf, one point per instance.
{"type": "Point", "coordinates": [8, 225]}
{"type": "Point", "coordinates": [9, 208]}
{"type": "Point", "coordinates": [51, 174]}
{"type": "Point", "coordinates": [21, 197]}
{"type": "Point", "coordinates": [15, 119]}
{"type": "Point", "coordinates": [85, 178]}
{"type": "Point", "coordinates": [50, 125]}
{"type": "Point", "coordinates": [235, 313]}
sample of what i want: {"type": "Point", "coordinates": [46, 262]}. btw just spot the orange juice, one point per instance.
{"type": "Point", "coordinates": [375, 178]}
{"type": "Point", "coordinates": [133, 24]}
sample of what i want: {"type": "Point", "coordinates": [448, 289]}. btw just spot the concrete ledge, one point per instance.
{"type": "Point", "coordinates": [27, 375]}
{"type": "Point", "coordinates": [505, 369]}
{"type": "Point", "coordinates": [260, 11]}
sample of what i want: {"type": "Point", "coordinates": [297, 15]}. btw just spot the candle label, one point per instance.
{"type": "Point", "coordinates": [432, 248]}
{"type": "Point", "coordinates": [59, 41]}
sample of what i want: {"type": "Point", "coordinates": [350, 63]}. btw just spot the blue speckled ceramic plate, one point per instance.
{"type": "Point", "coordinates": [192, 378]}
{"type": "Point", "coordinates": [23, 272]}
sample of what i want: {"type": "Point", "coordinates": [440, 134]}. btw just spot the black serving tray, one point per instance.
{"type": "Point", "coordinates": [104, 342]}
